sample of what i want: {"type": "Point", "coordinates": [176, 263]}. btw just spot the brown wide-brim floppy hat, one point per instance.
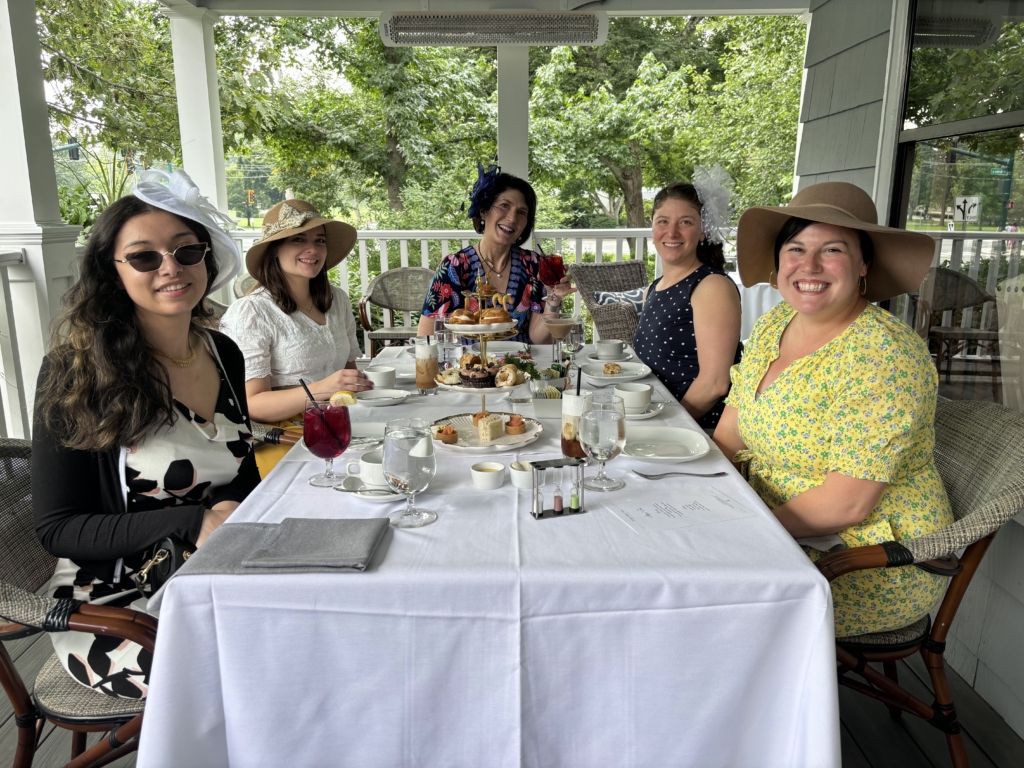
{"type": "Point", "coordinates": [901, 260]}
{"type": "Point", "coordinates": [292, 217]}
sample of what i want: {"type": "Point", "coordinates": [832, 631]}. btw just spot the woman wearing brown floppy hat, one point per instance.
{"type": "Point", "coordinates": [831, 412]}
{"type": "Point", "coordinates": [294, 324]}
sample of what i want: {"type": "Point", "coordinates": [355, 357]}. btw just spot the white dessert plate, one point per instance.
{"type": "Point", "coordinates": [500, 347]}
{"type": "Point", "coordinates": [351, 483]}
{"type": "Point", "coordinates": [366, 435]}
{"type": "Point", "coordinates": [652, 410]}
{"type": "Point", "coordinates": [469, 438]}
{"type": "Point", "coordinates": [380, 397]}
{"type": "Point", "coordinates": [593, 358]}
{"type": "Point", "coordinates": [630, 372]}
{"type": "Point", "coordinates": [490, 328]}
{"type": "Point", "coordinates": [664, 445]}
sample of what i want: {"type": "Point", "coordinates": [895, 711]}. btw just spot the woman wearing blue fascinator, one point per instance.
{"type": "Point", "coordinates": [503, 208]}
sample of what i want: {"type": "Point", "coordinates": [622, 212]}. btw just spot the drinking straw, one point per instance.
{"type": "Point", "coordinates": [323, 416]}
{"type": "Point", "coordinates": [579, 379]}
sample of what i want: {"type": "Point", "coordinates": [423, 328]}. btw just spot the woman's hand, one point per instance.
{"type": "Point", "coordinates": [214, 518]}
{"type": "Point", "coordinates": [562, 288]}
{"type": "Point", "coordinates": [346, 378]}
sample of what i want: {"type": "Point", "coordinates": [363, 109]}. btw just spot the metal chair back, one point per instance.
{"type": "Point", "coordinates": [401, 289]}
{"type": "Point", "coordinates": [23, 561]}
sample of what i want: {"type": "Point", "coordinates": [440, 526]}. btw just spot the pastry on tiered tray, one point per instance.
{"type": "Point", "coordinates": [463, 317]}
{"type": "Point", "coordinates": [451, 377]}
{"type": "Point", "coordinates": [478, 376]}
{"type": "Point", "coordinates": [447, 434]}
{"type": "Point", "coordinates": [491, 427]}
{"type": "Point", "coordinates": [507, 376]}
{"type": "Point", "coordinates": [498, 313]}
{"type": "Point", "coordinates": [480, 415]}
{"type": "Point", "coordinates": [515, 425]}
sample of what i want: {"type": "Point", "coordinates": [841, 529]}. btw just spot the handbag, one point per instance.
{"type": "Point", "coordinates": [168, 556]}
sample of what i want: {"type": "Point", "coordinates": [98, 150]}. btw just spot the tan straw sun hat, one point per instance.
{"type": "Point", "coordinates": [901, 260]}
{"type": "Point", "coordinates": [292, 217]}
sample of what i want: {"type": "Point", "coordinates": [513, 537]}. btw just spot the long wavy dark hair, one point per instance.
{"type": "Point", "coordinates": [502, 182]}
{"type": "Point", "coordinates": [270, 276]}
{"type": "Point", "coordinates": [709, 253]}
{"type": "Point", "coordinates": [104, 388]}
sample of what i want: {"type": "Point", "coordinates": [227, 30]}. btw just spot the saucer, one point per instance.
{"type": "Point", "coordinates": [592, 357]}
{"type": "Point", "coordinates": [652, 410]}
{"type": "Point", "coordinates": [351, 483]}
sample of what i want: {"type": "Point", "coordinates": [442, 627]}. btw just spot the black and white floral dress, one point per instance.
{"type": "Point", "coordinates": [177, 466]}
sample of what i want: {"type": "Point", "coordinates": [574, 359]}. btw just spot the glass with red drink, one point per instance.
{"type": "Point", "coordinates": [552, 270]}
{"type": "Point", "coordinates": [326, 431]}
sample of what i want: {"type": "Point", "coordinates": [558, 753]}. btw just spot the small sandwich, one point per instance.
{"type": "Point", "coordinates": [490, 427]}
{"type": "Point", "coordinates": [515, 425]}
{"type": "Point", "coordinates": [478, 416]}
{"type": "Point", "coordinates": [448, 435]}
{"type": "Point", "coordinates": [612, 369]}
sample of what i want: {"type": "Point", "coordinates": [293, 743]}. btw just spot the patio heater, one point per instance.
{"type": "Point", "coordinates": [496, 28]}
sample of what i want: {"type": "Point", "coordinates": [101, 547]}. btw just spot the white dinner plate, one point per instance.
{"type": "Point", "coordinates": [652, 410]}
{"type": "Point", "coordinates": [366, 435]}
{"type": "Point", "coordinates": [380, 397]}
{"type": "Point", "coordinates": [630, 372]}
{"type": "Point", "coordinates": [352, 482]}
{"type": "Point", "coordinates": [489, 328]}
{"type": "Point", "coordinates": [501, 347]}
{"type": "Point", "coordinates": [469, 440]}
{"type": "Point", "coordinates": [664, 445]}
{"type": "Point", "coordinates": [593, 358]}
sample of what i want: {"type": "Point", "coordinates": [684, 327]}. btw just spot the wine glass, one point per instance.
{"type": "Point", "coordinates": [552, 270]}
{"type": "Point", "coordinates": [326, 430]}
{"type": "Point", "coordinates": [409, 466]}
{"type": "Point", "coordinates": [602, 436]}
{"type": "Point", "coordinates": [559, 327]}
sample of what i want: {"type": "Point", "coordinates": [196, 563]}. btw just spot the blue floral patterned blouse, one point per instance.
{"type": "Point", "coordinates": [458, 272]}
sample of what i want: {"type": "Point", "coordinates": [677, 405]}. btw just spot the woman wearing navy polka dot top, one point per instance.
{"type": "Point", "coordinates": [689, 329]}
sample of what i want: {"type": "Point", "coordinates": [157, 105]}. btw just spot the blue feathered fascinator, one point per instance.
{"type": "Point", "coordinates": [483, 189]}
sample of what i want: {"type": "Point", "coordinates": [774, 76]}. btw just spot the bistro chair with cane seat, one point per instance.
{"type": "Point", "coordinates": [620, 319]}
{"type": "Point", "coordinates": [25, 568]}
{"type": "Point", "coordinates": [979, 452]}
{"type": "Point", "coordinates": [401, 289]}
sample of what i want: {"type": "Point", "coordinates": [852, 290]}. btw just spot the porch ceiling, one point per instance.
{"type": "Point", "coordinates": [356, 8]}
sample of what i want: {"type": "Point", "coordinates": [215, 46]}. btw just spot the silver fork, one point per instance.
{"type": "Point", "coordinates": [689, 474]}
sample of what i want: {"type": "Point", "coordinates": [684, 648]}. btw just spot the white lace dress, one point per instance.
{"type": "Point", "coordinates": [289, 347]}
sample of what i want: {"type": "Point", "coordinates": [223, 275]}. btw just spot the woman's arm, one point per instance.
{"type": "Point", "coordinates": [269, 405]}
{"type": "Point", "coordinates": [727, 434]}
{"type": "Point", "coordinates": [836, 504]}
{"type": "Point", "coordinates": [716, 328]}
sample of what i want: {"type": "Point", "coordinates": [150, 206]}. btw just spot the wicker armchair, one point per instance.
{"type": "Point", "coordinates": [242, 284]}
{"type": "Point", "coordinates": [402, 289]}
{"type": "Point", "coordinates": [24, 568]}
{"type": "Point", "coordinates": [979, 452]}
{"type": "Point", "coordinates": [611, 321]}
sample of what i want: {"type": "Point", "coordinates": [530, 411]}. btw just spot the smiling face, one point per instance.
{"type": "Point", "coordinates": [304, 254]}
{"type": "Point", "coordinates": [171, 289]}
{"type": "Point", "coordinates": [676, 231]}
{"type": "Point", "coordinates": [506, 219]}
{"type": "Point", "coordinates": [820, 270]}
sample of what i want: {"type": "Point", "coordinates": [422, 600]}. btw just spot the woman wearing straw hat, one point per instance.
{"type": "Point", "coordinates": [294, 324]}
{"type": "Point", "coordinates": [831, 412]}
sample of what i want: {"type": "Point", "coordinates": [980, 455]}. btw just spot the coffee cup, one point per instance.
{"type": "Point", "coordinates": [370, 469]}
{"type": "Point", "coordinates": [381, 376]}
{"type": "Point", "coordinates": [610, 349]}
{"type": "Point", "coordinates": [636, 397]}
{"type": "Point", "coordinates": [488, 475]}
{"type": "Point", "coordinates": [522, 474]}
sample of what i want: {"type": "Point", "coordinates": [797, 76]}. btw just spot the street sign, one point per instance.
{"type": "Point", "coordinates": [967, 209]}
{"type": "Point", "coordinates": [998, 172]}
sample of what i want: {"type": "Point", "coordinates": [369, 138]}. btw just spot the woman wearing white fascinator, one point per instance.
{"type": "Point", "coordinates": [142, 429]}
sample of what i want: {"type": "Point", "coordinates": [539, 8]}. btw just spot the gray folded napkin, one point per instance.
{"type": "Point", "coordinates": [328, 544]}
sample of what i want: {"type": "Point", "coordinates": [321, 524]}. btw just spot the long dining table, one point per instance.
{"type": "Point", "coordinates": [491, 638]}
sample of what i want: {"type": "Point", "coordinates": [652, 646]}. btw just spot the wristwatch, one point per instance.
{"type": "Point", "coordinates": [554, 304]}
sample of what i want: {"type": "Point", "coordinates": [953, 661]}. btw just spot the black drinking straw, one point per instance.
{"type": "Point", "coordinates": [579, 379]}
{"type": "Point", "coordinates": [323, 416]}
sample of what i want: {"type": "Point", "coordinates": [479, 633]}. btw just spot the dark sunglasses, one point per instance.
{"type": "Point", "coordinates": [148, 261]}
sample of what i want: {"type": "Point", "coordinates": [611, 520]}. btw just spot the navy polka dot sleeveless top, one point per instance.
{"type": "Point", "coordinates": [666, 342]}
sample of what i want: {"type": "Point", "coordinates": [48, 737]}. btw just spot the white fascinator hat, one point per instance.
{"type": "Point", "coordinates": [176, 193]}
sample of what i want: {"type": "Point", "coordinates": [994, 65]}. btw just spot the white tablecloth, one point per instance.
{"type": "Point", "coordinates": [493, 639]}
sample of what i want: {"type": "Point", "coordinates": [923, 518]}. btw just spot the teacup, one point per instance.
{"type": "Point", "coordinates": [382, 376]}
{"type": "Point", "coordinates": [521, 478]}
{"type": "Point", "coordinates": [610, 349]}
{"type": "Point", "coordinates": [370, 469]}
{"type": "Point", "coordinates": [636, 397]}
{"type": "Point", "coordinates": [488, 475]}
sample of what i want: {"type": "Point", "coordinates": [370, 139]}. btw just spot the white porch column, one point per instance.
{"type": "Point", "coordinates": [29, 216]}
{"type": "Point", "coordinates": [514, 109]}
{"type": "Point", "coordinates": [195, 81]}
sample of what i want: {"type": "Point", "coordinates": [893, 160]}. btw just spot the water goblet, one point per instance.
{"type": "Point", "coordinates": [602, 437]}
{"type": "Point", "coordinates": [409, 466]}
{"type": "Point", "coordinates": [326, 430]}
{"type": "Point", "coordinates": [573, 343]}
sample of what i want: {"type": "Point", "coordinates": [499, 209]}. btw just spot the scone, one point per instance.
{"type": "Point", "coordinates": [490, 428]}
{"type": "Point", "coordinates": [611, 369]}
{"type": "Point", "coordinates": [451, 376]}
{"type": "Point", "coordinates": [468, 360]}
{"type": "Point", "coordinates": [506, 376]}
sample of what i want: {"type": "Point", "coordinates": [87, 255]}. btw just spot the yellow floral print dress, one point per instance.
{"type": "Point", "coordinates": [862, 405]}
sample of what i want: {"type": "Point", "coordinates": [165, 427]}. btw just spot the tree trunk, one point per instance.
{"type": "Point", "coordinates": [631, 182]}
{"type": "Point", "coordinates": [396, 168]}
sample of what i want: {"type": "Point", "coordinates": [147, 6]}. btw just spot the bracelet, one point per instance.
{"type": "Point", "coordinates": [556, 303]}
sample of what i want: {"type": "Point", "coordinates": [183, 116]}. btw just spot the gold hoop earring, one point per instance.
{"type": "Point", "coordinates": [773, 285]}
{"type": "Point", "coordinates": [863, 285]}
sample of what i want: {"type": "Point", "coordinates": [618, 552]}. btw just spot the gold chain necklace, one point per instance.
{"type": "Point", "coordinates": [180, 363]}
